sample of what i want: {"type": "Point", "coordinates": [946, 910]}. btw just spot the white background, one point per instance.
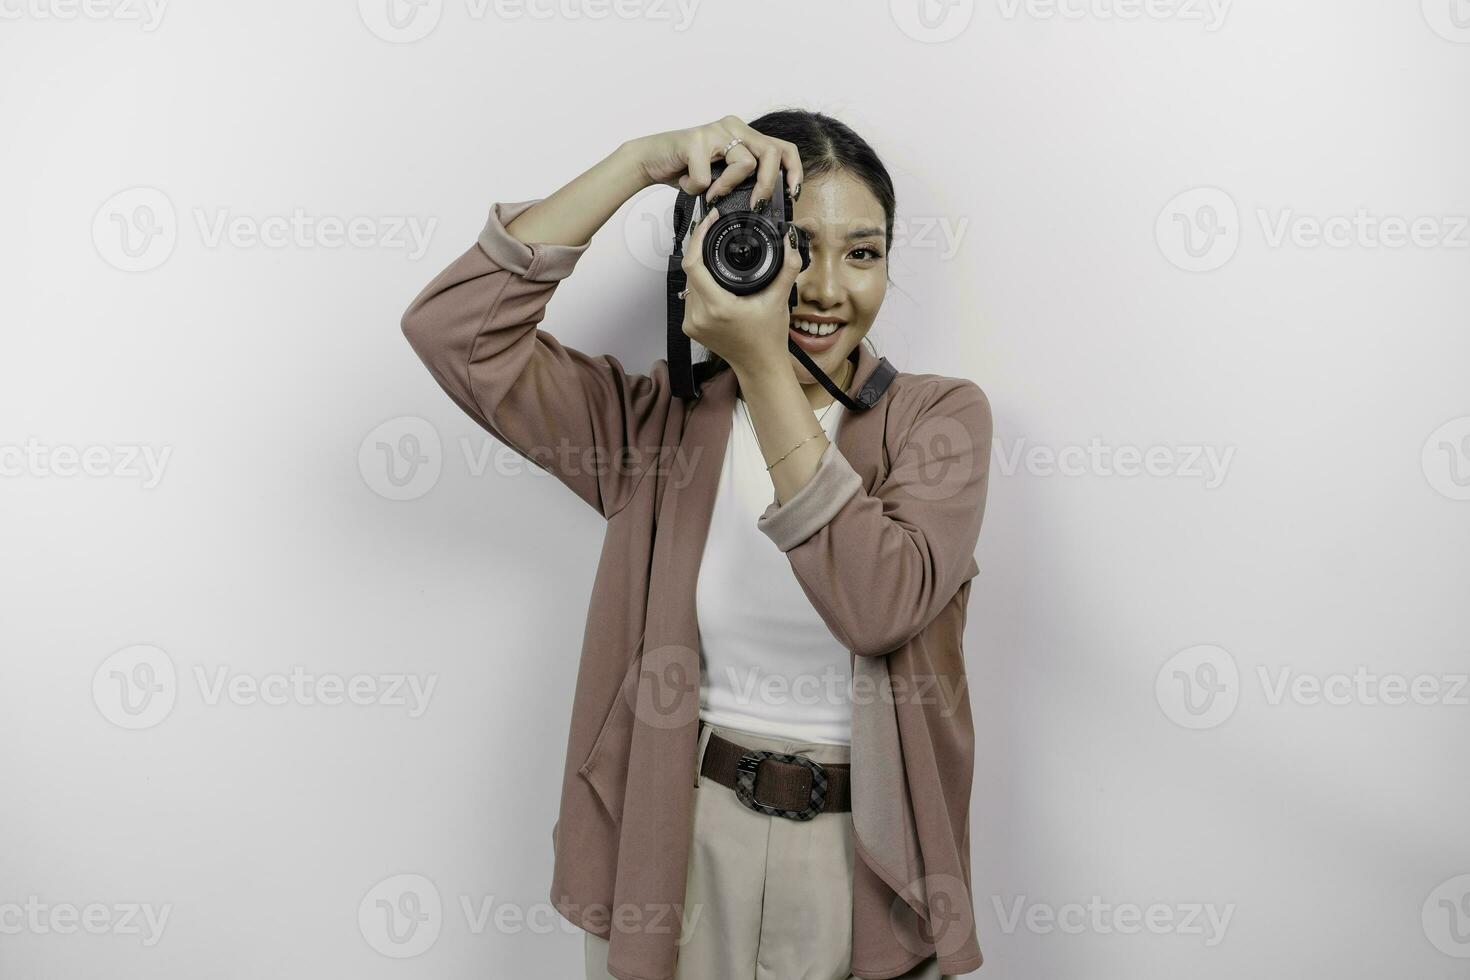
{"type": "Point", "coordinates": [1068, 151]}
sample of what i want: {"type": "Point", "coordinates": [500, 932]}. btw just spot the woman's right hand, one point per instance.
{"type": "Point", "coordinates": [681, 158]}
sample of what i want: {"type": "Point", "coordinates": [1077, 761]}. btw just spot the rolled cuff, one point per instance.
{"type": "Point", "coordinates": [814, 505]}
{"type": "Point", "coordinates": [535, 263]}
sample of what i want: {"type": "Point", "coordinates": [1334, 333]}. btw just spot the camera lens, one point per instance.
{"type": "Point", "coordinates": [743, 253]}
{"type": "Point", "coordinates": [743, 250]}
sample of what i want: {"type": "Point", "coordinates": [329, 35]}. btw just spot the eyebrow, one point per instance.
{"type": "Point", "coordinates": [858, 233]}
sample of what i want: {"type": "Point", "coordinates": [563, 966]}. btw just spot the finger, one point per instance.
{"type": "Point", "coordinates": [769, 158]}
{"type": "Point", "coordinates": [696, 275]}
{"type": "Point", "coordinates": [697, 177]}
{"type": "Point", "coordinates": [790, 155]}
{"type": "Point", "coordinates": [740, 163]}
{"type": "Point", "coordinates": [791, 263]}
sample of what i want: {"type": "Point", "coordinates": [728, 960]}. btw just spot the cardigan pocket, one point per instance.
{"type": "Point", "coordinates": [614, 741]}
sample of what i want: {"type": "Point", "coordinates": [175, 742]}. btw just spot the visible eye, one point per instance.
{"type": "Point", "coordinates": [866, 253]}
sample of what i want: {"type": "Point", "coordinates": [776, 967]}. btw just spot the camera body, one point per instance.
{"type": "Point", "coordinates": [744, 249]}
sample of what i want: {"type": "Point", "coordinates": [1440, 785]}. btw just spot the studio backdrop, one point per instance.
{"type": "Point", "coordinates": [289, 643]}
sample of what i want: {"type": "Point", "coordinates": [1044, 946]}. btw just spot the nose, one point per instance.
{"type": "Point", "coordinates": [818, 286]}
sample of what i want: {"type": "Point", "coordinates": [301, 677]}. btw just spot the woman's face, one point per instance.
{"type": "Point", "coordinates": [848, 275]}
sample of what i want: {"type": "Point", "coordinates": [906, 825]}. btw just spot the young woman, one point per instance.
{"type": "Point", "coordinates": [769, 765]}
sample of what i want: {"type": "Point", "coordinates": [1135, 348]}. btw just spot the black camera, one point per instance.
{"type": "Point", "coordinates": [745, 249]}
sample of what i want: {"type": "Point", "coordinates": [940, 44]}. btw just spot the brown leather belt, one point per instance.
{"type": "Point", "coordinates": [790, 786]}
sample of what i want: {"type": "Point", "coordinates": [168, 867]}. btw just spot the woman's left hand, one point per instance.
{"type": "Point", "coordinates": [750, 332]}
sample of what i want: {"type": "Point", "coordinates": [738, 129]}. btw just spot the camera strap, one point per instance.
{"type": "Point", "coordinates": [687, 377]}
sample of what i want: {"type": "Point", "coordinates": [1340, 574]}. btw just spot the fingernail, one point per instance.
{"type": "Point", "coordinates": [796, 194]}
{"type": "Point", "coordinates": [791, 235]}
{"type": "Point", "coordinates": [759, 207]}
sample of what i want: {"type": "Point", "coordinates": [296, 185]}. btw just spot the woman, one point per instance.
{"type": "Point", "coordinates": [756, 551]}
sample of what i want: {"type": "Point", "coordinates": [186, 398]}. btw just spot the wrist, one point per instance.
{"type": "Point", "coordinates": [763, 375]}
{"type": "Point", "coordinates": [627, 161]}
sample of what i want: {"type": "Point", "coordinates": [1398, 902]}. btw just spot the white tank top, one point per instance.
{"type": "Point", "coordinates": [769, 664]}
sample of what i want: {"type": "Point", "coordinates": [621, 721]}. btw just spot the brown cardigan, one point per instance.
{"type": "Point", "coordinates": [882, 540]}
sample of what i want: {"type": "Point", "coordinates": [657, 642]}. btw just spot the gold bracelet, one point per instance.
{"type": "Point", "coordinates": [797, 446]}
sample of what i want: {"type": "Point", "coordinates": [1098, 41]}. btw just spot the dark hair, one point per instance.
{"type": "Point", "coordinates": [826, 146]}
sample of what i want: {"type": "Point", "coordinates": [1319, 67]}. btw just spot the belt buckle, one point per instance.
{"type": "Point", "coordinates": [745, 784]}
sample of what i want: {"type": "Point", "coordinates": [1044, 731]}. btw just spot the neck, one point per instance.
{"type": "Point", "coordinates": [819, 397]}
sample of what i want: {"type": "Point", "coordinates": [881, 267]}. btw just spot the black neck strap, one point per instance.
{"type": "Point", "coordinates": [687, 377]}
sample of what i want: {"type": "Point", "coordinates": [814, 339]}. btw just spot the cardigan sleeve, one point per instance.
{"type": "Point", "coordinates": [878, 567]}
{"type": "Point", "coordinates": [580, 417]}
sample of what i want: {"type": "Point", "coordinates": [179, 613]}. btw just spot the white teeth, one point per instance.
{"type": "Point", "coordinates": [815, 329]}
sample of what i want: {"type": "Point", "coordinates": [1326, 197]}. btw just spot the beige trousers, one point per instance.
{"type": "Point", "coordinates": [767, 898]}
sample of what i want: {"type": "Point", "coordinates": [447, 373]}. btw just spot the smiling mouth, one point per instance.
{"type": "Point", "coordinates": [815, 337]}
{"type": "Point", "coordinates": [816, 329]}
